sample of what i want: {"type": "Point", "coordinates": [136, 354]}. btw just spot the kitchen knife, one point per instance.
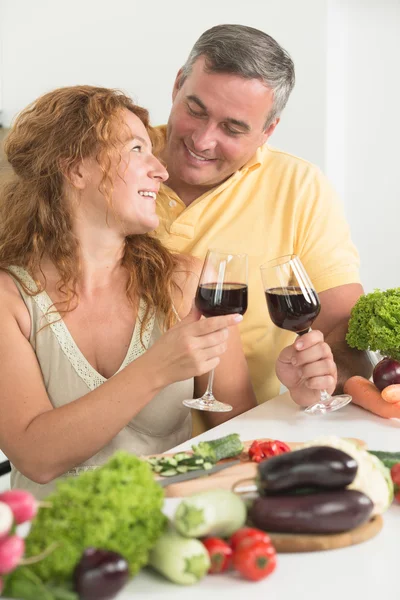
{"type": "Point", "coordinates": [164, 481]}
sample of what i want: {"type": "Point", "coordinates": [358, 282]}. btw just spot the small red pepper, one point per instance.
{"type": "Point", "coordinates": [248, 533]}
{"type": "Point", "coordinates": [254, 559]}
{"type": "Point", "coordinates": [220, 554]}
{"type": "Point", "coordinates": [259, 451]}
{"type": "Point", "coordinates": [395, 473]}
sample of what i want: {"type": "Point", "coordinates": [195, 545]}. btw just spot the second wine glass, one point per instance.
{"type": "Point", "coordinates": [293, 304]}
{"type": "Point", "coordinates": [222, 290]}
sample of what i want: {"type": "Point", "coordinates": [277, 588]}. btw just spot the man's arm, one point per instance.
{"type": "Point", "coordinates": [336, 305]}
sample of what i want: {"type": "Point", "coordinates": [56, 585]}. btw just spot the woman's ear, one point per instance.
{"type": "Point", "coordinates": [77, 174]}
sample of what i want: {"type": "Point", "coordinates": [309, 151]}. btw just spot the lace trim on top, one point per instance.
{"type": "Point", "coordinates": [83, 368]}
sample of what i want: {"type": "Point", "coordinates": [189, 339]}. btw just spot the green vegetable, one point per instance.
{"type": "Point", "coordinates": [182, 560]}
{"type": "Point", "coordinates": [211, 513]}
{"type": "Point", "coordinates": [375, 323]}
{"type": "Point", "coordinates": [24, 584]}
{"type": "Point", "coordinates": [388, 458]}
{"type": "Point", "coordinates": [116, 507]}
{"type": "Point", "coordinates": [216, 450]}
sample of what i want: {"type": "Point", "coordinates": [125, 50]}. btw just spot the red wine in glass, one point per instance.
{"type": "Point", "coordinates": [293, 309]}
{"type": "Point", "coordinates": [214, 299]}
{"type": "Point", "coordinates": [222, 290]}
{"type": "Point", "coordinates": [293, 304]}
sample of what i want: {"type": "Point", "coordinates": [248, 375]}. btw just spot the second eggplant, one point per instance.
{"type": "Point", "coordinates": [315, 467]}
{"type": "Point", "coordinates": [325, 512]}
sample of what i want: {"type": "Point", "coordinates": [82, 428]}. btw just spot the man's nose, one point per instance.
{"type": "Point", "coordinates": [204, 138]}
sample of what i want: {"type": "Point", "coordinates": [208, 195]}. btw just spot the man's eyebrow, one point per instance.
{"type": "Point", "coordinates": [241, 124]}
{"type": "Point", "coordinates": [197, 100]}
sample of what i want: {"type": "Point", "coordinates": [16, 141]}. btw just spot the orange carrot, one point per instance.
{"type": "Point", "coordinates": [367, 395]}
{"type": "Point", "coordinates": [391, 393]}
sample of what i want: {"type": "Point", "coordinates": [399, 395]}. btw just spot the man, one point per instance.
{"type": "Point", "coordinates": [228, 189]}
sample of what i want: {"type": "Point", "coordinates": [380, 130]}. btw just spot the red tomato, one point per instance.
{"type": "Point", "coordinates": [395, 473]}
{"type": "Point", "coordinates": [254, 560]}
{"type": "Point", "coordinates": [248, 533]}
{"type": "Point", "coordinates": [273, 448]}
{"type": "Point", "coordinates": [220, 554]}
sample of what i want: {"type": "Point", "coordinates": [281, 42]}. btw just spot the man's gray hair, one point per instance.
{"type": "Point", "coordinates": [249, 53]}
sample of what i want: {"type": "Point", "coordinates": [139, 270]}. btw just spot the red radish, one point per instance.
{"type": "Point", "coordinates": [6, 520]}
{"type": "Point", "coordinates": [11, 552]}
{"type": "Point", "coordinates": [23, 505]}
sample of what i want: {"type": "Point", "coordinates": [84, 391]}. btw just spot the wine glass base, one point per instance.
{"type": "Point", "coordinates": [207, 405]}
{"type": "Point", "coordinates": [334, 403]}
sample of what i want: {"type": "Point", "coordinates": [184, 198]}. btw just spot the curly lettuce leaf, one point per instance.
{"type": "Point", "coordinates": [375, 323]}
{"type": "Point", "coordinates": [117, 507]}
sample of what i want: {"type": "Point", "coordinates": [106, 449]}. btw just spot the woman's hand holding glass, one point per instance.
{"type": "Point", "coordinates": [191, 348]}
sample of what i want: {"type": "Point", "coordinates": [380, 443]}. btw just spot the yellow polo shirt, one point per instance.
{"type": "Point", "coordinates": [276, 204]}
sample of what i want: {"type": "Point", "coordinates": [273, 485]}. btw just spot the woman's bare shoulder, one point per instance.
{"type": "Point", "coordinates": [11, 303]}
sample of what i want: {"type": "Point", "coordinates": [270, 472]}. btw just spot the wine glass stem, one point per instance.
{"type": "Point", "coordinates": [325, 397]}
{"type": "Point", "coordinates": [208, 395]}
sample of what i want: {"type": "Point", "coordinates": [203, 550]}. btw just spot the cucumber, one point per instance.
{"type": "Point", "coordinates": [211, 513]}
{"type": "Point", "coordinates": [215, 450]}
{"type": "Point", "coordinates": [389, 459]}
{"type": "Point", "coordinates": [179, 559]}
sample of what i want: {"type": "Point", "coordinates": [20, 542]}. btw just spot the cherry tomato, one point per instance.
{"type": "Point", "coordinates": [248, 533]}
{"type": "Point", "coordinates": [254, 560]}
{"type": "Point", "coordinates": [220, 554]}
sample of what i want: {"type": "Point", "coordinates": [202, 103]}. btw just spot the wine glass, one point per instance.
{"type": "Point", "coordinates": [293, 304]}
{"type": "Point", "coordinates": [222, 290]}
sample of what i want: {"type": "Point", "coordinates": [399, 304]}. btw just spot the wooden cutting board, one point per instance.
{"type": "Point", "coordinates": [226, 478]}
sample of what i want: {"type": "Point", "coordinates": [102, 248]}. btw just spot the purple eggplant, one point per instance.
{"type": "Point", "coordinates": [324, 512]}
{"type": "Point", "coordinates": [100, 574]}
{"type": "Point", "coordinates": [316, 467]}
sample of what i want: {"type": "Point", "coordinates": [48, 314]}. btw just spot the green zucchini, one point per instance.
{"type": "Point", "coordinates": [210, 513]}
{"type": "Point", "coordinates": [180, 559]}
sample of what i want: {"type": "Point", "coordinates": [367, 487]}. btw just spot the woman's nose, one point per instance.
{"type": "Point", "coordinates": [157, 170]}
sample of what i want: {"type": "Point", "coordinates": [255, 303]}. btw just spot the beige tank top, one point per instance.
{"type": "Point", "coordinates": [67, 375]}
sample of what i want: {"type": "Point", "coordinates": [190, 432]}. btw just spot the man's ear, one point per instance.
{"type": "Point", "coordinates": [177, 84]}
{"type": "Point", "coordinates": [270, 130]}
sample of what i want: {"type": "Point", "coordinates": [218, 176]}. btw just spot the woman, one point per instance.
{"type": "Point", "coordinates": [99, 343]}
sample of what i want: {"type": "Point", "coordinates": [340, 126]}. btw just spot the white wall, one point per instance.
{"type": "Point", "coordinates": [139, 46]}
{"type": "Point", "coordinates": [363, 129]}
{"type": "Point", "coordinates": [343, 114]}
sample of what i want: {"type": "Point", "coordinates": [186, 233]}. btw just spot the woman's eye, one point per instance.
{"type": "Point", "coordinates": [137, 148]}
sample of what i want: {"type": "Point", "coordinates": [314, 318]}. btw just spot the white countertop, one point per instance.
{"type": "Point", "coordinates": [367, 571]}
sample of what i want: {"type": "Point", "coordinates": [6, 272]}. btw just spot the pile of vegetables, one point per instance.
{"type": "Point", "coordinates": [327, 486]}
{"type": "Point", "coordinates": [103, 521]}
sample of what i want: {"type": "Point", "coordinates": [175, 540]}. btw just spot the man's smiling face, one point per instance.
{"type": "Point", "coordinates": [217, 122]}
